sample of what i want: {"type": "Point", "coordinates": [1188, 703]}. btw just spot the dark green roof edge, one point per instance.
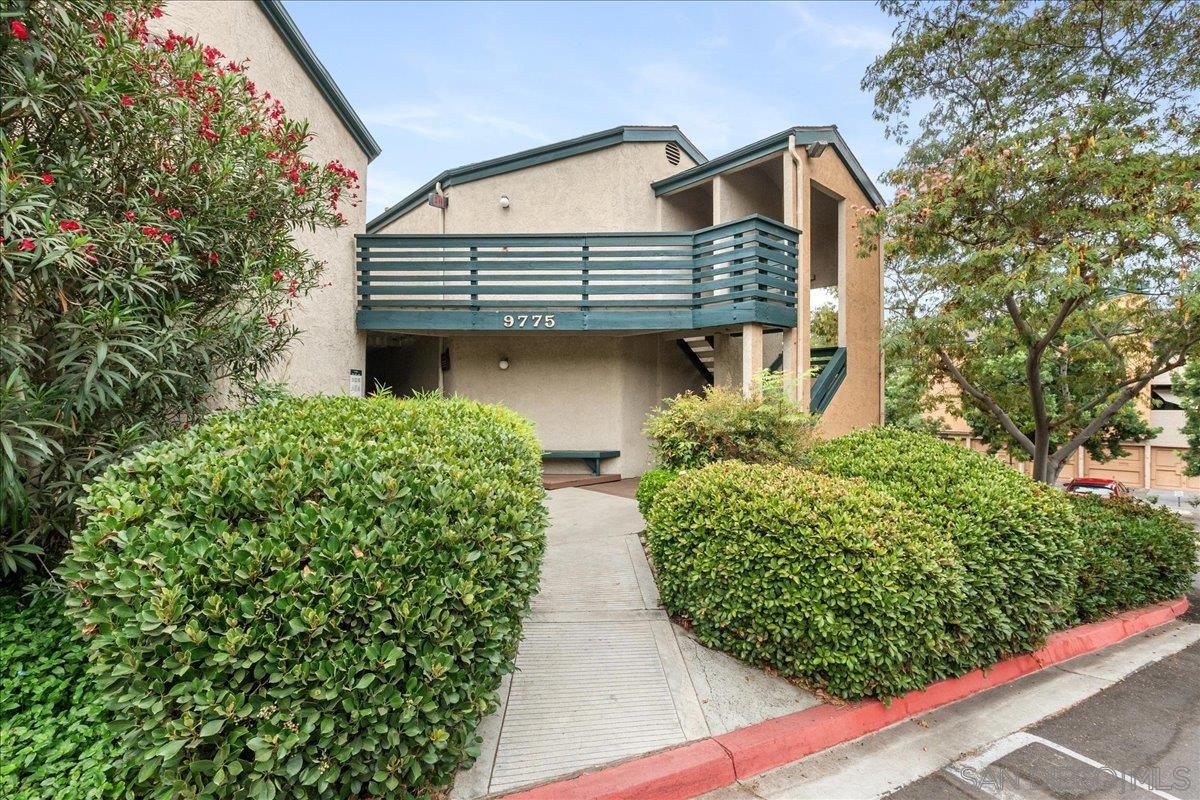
{"type": "Point", "coordinates": [539, 155]}
{"type": "Point", "coordinates": [778, 142]}
{"type": "Point", "coordinates": [286, 27]}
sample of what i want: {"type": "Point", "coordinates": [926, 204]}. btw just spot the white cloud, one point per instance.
{"type": "Point", "coordinates": [447, 120]}
{"type": "Point", "coordinates": [818, 30]}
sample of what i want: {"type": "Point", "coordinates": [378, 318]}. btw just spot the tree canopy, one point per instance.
{"type": "Point", "coordinates": [1047, 212]}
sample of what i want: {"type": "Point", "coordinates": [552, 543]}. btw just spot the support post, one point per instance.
{"type": "Point", "coordinates": [796, 213]}
{"type": "Point", "coordinates": [752, 358]}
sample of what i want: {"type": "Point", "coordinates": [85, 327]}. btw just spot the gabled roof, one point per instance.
{"type": "Point", "coordinates": [805, 135]}
{"type": "Point", "coordinates": [285, 26]}
{"type": "Point", "coordinates": [539, 155]}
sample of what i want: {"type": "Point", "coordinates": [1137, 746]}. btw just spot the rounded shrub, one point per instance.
{"type": "Point", "coordinates": [650, 485]}
{"type": "Point", "coordinates": [1018, 539]}
{"type": "Point", "coordinates": [1134, 554]}
{"type": "Point", "coordinates": [311, 597]}
{"type": "Point", "coordinates": [691, 430]}
{"type": "Point", "coordinates": [822, 579]}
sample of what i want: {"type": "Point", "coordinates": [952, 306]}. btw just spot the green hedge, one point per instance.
{"type": "Point", "coordinates": [54, 736]}
{"type": "Point", "coordinates": [1018, 540]}
{"type": "Point", "coordinates": [822, 579]}
{"type": "Point", "coordinates": [1134, 554]}
{"type": "Point", "coordinates": [313, 597]}
{"type": "Point", "coordinates": [650, 485]}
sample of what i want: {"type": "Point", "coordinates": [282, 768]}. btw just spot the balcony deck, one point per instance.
{"type": "Point", "coordinates": [728, 274]}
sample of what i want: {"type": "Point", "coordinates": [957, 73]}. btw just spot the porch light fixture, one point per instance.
{"type": "Point", "coordinates": [504, 201]}
{"type": "Point", "coordinates": [503, 362]}
{"type": "Point", "coordinates": [816, 148]}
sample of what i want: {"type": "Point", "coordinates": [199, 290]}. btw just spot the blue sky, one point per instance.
{"type": "Point", "coordinates": [445, 84]}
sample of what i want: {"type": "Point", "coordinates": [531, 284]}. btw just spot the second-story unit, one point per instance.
{"type": "Point", "coordinates": [583, 282]}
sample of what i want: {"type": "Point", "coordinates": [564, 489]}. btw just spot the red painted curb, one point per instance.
{"type": "Point", "coordinates": [711, 763]}
{"type": "Point", "coordinates": [686, 771]}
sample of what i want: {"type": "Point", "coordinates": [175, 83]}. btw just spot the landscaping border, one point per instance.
{"type": "Point", "coordinates": [702, 766]}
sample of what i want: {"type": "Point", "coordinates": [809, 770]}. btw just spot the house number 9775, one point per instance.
{"type": "Point", "coordinates": [528, 320]}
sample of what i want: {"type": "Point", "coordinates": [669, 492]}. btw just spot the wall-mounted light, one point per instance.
{"type": "Point", "coordinates": [503, 362]}
{"type": "Point", "coordinates": [504, 201]}
{"type": "Point", "coordinates": [816, 148]}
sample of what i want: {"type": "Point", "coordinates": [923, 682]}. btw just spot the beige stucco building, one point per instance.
{"type": "Point", "coordinates": [583, 282]}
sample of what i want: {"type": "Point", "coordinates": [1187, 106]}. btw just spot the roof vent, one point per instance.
{"type": "Point", "coordinates": [672, 153]}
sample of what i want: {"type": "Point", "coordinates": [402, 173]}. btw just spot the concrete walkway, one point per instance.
{"type": "Point", "coordinates": [602, 674]}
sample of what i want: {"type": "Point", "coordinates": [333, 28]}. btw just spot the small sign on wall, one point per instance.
{"type": "Point", "coordinates": [356, 383]}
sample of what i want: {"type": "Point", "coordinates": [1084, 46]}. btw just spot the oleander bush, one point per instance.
{"type": "Point", "coordinates": [1019, 540]}
{"type": "Point", "coordinates": [150, 191]}
{"type": "Point", "coordinates": [311, 597]}
{"type": "Point", "coordinates": [691, 430]}
{"type": "Point", "coordinates": [823, 579]}
{"type": "Point", "coordinates": [54, 736]}
{"type": "Point", "coordinates": [650, 485]}
{"type": "Point", "coordinates": [1133, 554]}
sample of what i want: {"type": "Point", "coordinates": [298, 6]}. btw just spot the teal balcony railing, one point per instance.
{"type": "Point", "coordinates": [736, 272]}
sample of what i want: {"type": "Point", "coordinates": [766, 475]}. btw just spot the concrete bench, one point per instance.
{"type": "Point", "coordinates": [591, 458]}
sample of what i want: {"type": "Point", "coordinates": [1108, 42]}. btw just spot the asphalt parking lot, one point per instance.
{"type": "Point", "coordinates": [1138, 739]}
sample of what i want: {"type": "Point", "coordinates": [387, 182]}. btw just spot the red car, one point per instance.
{"type": "Point", "coordinates": [1104, 487]}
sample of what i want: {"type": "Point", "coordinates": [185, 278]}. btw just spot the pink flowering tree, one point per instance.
{"type": "Point", "coordinates": [150, 195]}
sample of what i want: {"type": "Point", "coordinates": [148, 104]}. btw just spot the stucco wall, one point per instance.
{"type": "Point", "coordinates": [858, 402]}
{"type": "Point", "coordinates": [329, 346]}
{"type": "Point", "coordinates": [604, 190]}
{"type": "Point", "coordinates": [583, 392]}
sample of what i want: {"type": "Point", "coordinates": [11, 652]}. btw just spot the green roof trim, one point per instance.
{"type": "Point", "coordinates": [536, 156]}
{"type": "Point", "coordinates": [772, 144]}
{"type": "Point", "coordinates": [285, 26]}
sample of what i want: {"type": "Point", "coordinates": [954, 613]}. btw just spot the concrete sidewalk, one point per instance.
{"type": "Point", "coordinates": [602, 674]}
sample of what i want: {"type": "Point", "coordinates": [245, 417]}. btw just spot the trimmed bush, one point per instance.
{"type": "Point", "coordinates": [1134, 554]}
{"type": "Point", "coordinates": [692, 430]}
{"type": "Point", "coordinates": [1018, 539]}
{"type": "Point", "coordinates": [312, 597]}
{"type": "Point", "coordinates": [54, 738]}
{"type": "Point", "coordinates": [650, 485]}
{"type": "Point", "coordinates": [822, 579]}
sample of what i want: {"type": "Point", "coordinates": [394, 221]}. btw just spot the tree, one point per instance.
{"type": "Point", "coordinates": [907, 402]}
{"type": "Point", "coordinates": [1048, 206]}
{"type": "Point", "coordinates": [150, 191]}
{"type": "Point", "coordinates": [1187, 385]}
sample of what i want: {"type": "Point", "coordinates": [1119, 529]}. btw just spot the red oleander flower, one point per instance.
{"type": "Point", "coordinates": [26, 244]}
{"type": "Point", "coordinates": [166, 237]}
{"type": "Point", "coordinates": [174, 213]}
{"type": "Point", "coordinates": [156, 12]}
{"type": "Point", "coordinates": [150, 230]}
{"type": "Point", "coordinates": [109, 16]}
{"type": "Point", "coordinates": [277, 275]}
{"type": "Point", "coordinates": [274, 323]}
{"type": "Point", "coordinates": [129, 215]}
{"type": "Point", "coordinates": [69, 225]}
{"type": "Point", "coordinates": [47, 179]}
{"type": "Point", "coordinates": [126, 100]}
{"type": "Point", "coordinates": [19, 30]}
{"type": "Point", "coordinates": [300, 190]}
{"type": "Point", "coordinates": [212, 258]}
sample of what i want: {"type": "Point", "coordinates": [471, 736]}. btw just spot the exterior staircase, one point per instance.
{"type": "Point", "coordinates": [828, 364]}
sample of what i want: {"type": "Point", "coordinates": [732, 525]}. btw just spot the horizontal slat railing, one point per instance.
{"type": "Point", "coordinates": [740, 271]}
